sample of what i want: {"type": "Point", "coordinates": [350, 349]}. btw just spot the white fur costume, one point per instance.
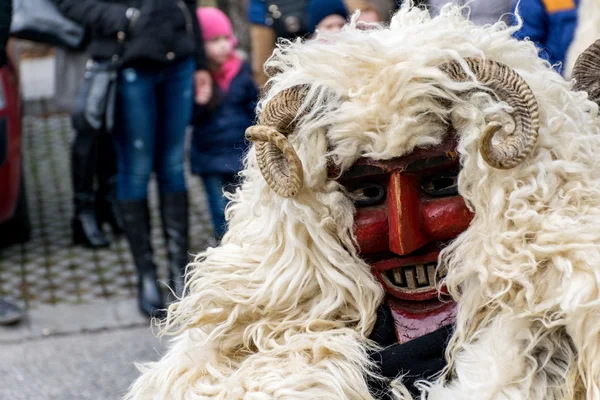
{"type": "Point", "coordinates": [282, 308]}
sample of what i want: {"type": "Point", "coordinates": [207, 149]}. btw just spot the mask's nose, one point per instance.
{"type": "Point", "coordinates": [406, 233]}
{"type": "Point", "coordinates": [415, 220]}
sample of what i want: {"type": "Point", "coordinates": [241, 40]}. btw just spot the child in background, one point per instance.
{"type": "Point", "coordinates": [218, 128]}
{"type": "Point", "coordinates": [327, 15]}
{"type": "Point", "coordinates": [374, 11]}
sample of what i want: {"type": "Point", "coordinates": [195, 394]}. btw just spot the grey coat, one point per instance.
{"type": "Point", "coordinates": [70, 67]}
{"type": "Point", "coordinates": [482, 11]}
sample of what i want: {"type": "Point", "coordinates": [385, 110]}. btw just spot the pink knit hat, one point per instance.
{"type": "Point", "coordinates": [214, 22]}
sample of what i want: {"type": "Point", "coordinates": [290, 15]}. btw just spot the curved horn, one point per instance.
{"type": "Point", "coordinates": [277, 159]}
{"type": "Point", "coordinates": [586, 72]}
{"type": "Point", "coordinates": [511, 88]}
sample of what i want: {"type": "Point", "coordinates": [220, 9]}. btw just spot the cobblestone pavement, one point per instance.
{"type": "Point", "coordinates": [83, 332]}
{"type": "Point", "coordinates": [48, 270]}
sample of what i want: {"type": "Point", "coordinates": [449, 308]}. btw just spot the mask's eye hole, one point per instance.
{"type": "Point", "coordinates": [368, 194]}
{"type": "Point", "coordinates": [445, 184]}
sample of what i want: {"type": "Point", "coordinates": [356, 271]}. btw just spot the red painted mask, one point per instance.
{"type": "Point", "coordinates": [407, 209]}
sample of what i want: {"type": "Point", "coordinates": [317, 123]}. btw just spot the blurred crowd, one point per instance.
{"type": "Point", "coordinates": [170, 65]}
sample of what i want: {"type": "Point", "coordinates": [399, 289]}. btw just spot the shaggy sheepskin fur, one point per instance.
{"type": "Point", "coordinates": [282, 308]}
{"type": "Point", "coordinates": [587, 32]}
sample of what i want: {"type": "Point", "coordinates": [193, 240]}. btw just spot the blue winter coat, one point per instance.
{"type": "Point", "coordinates": [218, 139]}
{"type": "Point", "coordinates": [551, 25]}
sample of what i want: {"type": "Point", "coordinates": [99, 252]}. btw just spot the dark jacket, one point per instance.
{"type": "Point", "coordinates": [550, 24]}
{"type": "Point", "coordinates": [218, 140]}
{"type": "Point", "coordinates": [166, 30]}
{"type": "Point", "coordinates": [419, 359]}
{"type": "Point", "coordinates": [5, 18]}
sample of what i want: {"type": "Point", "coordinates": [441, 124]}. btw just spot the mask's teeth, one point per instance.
{"type": "Point", "coordinates": [422, 278]}
{"type": "Point", "coordinates": [398, 277]}
{"type": "Point", "coordinates": [413, 276]}
{"type": "Point", "coordinates": [431, 272]}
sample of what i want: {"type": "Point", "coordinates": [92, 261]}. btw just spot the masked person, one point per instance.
{"type": "Point", "coordinates": [406, 185]}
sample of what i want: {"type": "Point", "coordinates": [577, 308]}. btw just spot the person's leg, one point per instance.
{"type": "Point", "coordinates": [84, 225]}
{"type": "Point", "coordinates": [263, 40]}
{"type": "Point", "coordinates": [135, 132]}
{"type": "Point", "coordinates": [175, 101]}
{"type": "Point", "coordinates": [107, 209]}
{"type": "Point", "coordinates": [135, 139]}
{"type": "Point", "coordinates": [214, 186]}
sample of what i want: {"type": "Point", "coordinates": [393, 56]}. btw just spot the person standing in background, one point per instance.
{"type": "Point", "coordinates": [586, 32]}
{"type": "Point", "coordinates": [5, 20]}
{"type": "Point", "coordinates": [93, 160]}
{"type": "Point", "coordinates": [9, 313]}
{"type": "Point", "coordinates": [374, 10]}
{"type": "Point", "coordinates": [482, 12]}
{"type": "Point", "coordinates": [218, 137]}
{"type": "Point", "coordinates": [158, 44]}
{"type": "Point", "coordinates": [550, 24]}
{"type": "Point", "coordinates": [327, 15]}
{"type": "Point", "coordinates": [263, 36]}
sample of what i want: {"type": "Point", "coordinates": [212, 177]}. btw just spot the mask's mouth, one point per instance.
{"type": "Point", "coordinates": [412, 277]}
{"type": "Point", "coordinates": [412, 282]}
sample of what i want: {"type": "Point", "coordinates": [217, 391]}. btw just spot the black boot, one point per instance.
{"type": "Point", "coordinates": [174, 216]}
{"type": "Point", "coordinates": [84, 225]}
{"type": "Point", "coordinates": [107, 209]}
{"type": "Point", "coordinates": [136, 218]}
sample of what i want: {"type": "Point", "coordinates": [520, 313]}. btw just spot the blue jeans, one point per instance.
{"type": "Point", "coordinates": [154, 107]}
{"type": "Point", "coordinates": [214, 185]}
